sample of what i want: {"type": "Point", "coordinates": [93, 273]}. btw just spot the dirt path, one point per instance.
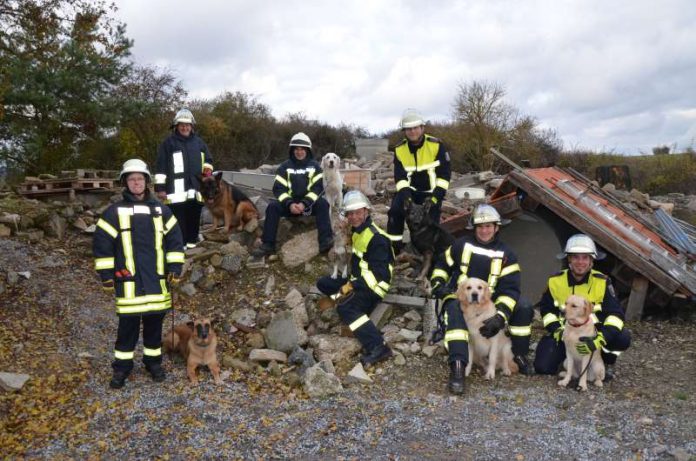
{"type": "Point", "coordinates": [67, 411]}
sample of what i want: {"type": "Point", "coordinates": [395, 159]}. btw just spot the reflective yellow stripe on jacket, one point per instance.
{"type": "Point", "coordinates": [360, 243]}
{"type": "Point", "coordinates": [426, 156]}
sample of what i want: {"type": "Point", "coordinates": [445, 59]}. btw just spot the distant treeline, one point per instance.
{"type": "Point", "coordinates": [73, 98]}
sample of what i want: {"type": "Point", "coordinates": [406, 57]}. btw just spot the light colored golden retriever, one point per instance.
{"type": "Point", "coordinates": [578, 311]}
{"type": "Point", "coordinates": [489, 353]}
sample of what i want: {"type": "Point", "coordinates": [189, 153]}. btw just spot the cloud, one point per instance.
{"type": "Point", "coordinates": [599, 74]}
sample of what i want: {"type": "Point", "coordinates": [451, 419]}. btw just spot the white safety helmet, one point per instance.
{"type": "Point", "coordinates": [355, 200]}
{"type": "Point", "coordinates": [183, 116]}
{"type": "Point", "coordinates": [581, 244]}
{"type": "Point", "coordinates": [484, 214]}
{"type": "Point", "coordinates": [411, 118]}
{"type": "Point", "coordinates": [301, 140]}
{"type": "Point", "coordinates": [134, 165]}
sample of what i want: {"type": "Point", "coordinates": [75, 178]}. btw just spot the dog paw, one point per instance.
{"type": "Point", "coordinates": [490, 376]}
{"type": "Point", "coordinates": [599, 383]}
{"type": "Point", "coordinates": [563, 383]}
{"type": "Point", "coordinates": [581, 388]}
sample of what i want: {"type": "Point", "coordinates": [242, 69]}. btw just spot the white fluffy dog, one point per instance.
{"type": "Point", "coordinates": [333, 181]}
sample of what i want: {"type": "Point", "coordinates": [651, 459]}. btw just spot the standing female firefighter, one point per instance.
{"type": "Point", "coordinates": [138, 250]}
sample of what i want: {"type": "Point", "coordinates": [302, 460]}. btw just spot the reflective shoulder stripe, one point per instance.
{"type": "Point", "coordinates": [401, 184]}
{"type": "Point", "coordinates": [614, 321]}
{"type": "Point", "coordinates": [104, 263]}
{"type": "Point", "coordinates": [281, 180]}
{"type": "Point", "coordinates": [160, 178]}
{"type": "Point", "coordinates": [510, 269]}
{"type": "Point", "coordinates": [108, 228]}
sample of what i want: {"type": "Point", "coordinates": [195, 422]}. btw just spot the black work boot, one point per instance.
{"type": "Point", "coordinates": [376, 355]}
{"type": "Point", "coordinates": [608, 373]}
{"type": "Point", "coordinates": [523, 364]}
{"type": "Point", "coordinates": [456, 378]}
{"type": "Point", "coordinates": [118, 379]}
{"type": "Point", "coordinates": [156, 371]}
{"type": "Point", "coordinates": [264, 250]}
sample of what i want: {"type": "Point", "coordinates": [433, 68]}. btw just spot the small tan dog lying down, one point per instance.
{"type": "Point", "coordinates": [489, 353]}
{"type": "Point", "coordinates": [197, 343]}
{"type": "Point", "coordinates": [578, 323]}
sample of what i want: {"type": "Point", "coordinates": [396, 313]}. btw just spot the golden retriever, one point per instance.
{"type": "Point", "coordinates": [489, 353]}
{"type": "Point", "coordinates": [578, 316]}
{"type": "Point", "coordinates": [197, 343]}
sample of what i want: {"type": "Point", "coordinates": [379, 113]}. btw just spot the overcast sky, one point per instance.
{"type": "Point", "coordinates": [606, 75]}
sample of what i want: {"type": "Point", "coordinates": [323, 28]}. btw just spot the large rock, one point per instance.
{"type": "Point", "coordinates": [266, 355]}
{"type": "Point", "coordinates": [334, 348]}
{"type": "Point", "coordinates": [11, 382]}
{"type": "Point", "coordinates": [244, 316]}
{"type": "Point", "coordinates": [302, 359]}
{"type": "Point", "coordinates": [232, 263]}
{"type": "Point", "coordinates": [284, 332]}
{"type": "Point", "coordinates": [300, 249]}
{"type": "Point", "coordinates": [234, 248]}
{"type": "Point", "coordinates": [318, 383]}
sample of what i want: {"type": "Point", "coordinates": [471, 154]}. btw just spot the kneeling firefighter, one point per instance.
{"type": "Point", "coordinates": [371, 274]}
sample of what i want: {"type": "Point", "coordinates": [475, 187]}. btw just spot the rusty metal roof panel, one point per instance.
{"type": "Point", "coordinates": [615, 227]}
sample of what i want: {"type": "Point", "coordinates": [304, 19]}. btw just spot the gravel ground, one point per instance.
{"type": "Point", "coordinates": [648, 412]}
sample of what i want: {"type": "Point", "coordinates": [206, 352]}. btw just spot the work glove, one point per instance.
{"type": "Point", "coordinates": [407, 195]}
{"type": "Point", "coordinates": [345, 293]}
{"type": "Point", "coordinates": [558, 334]}
{"type": "Point", "coordinates": [173, 280]}
{"type": "Point", "coordinates": [589, 344]}
{"type": "Point", "coordinates": [440, 290]}
{"type": "Point", "coordinates": [492, 326]}
{"type": "Point", "coordinates": [108, 286]}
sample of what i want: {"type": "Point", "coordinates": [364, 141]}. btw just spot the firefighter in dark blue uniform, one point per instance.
{"type": "Point", "coordinates": [485, 257]}
{"type": "Point", "coordinates": [371, 270]}
{"type": "Point", "coordinates": [181, 161]}
{"type": "Point", "coordinates": [139, 253]}
{"type": "Point", "coordinates": [580, 279]}
{"type": "Point", "coordinates": [299, 191]}
{"type": "Point", "coordinates": [421, 172]}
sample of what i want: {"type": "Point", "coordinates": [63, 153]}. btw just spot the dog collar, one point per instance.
{"type": "Point", "coordinates": [578, 324]}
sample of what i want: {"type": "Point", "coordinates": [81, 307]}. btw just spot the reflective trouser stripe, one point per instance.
{"type": "Point", "coordinates": [120, 355]}
{"type": "Point", "coordinates": [456, 335]}
{"type": "Point", "coordinates": [152, 352]}
{"type": "Point", "coordinates": [520, 331]}
{"type": "Point", "coordinates": [360, 321]}
{"type": "Point", "coordinates": [104, 263]}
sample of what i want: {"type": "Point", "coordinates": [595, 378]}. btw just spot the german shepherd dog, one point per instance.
{"type": "Point", "coordinates": [426, 235]}
{"type": "Point", "coordinates": [197, 343]}
{"type": "Point", "coordinates": [227, 202]}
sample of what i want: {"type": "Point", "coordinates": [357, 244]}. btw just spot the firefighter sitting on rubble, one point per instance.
{"type": "Point", "coordinates": [485, 257]}
{"type": "Point", "coordinates": [371, 269]}
{"type": "Point", "coordinates": [139, 252]}
{"type": "Point", "coordinates": [421, 172]}
{"type": "Point", "coordinates": [299, 190]}
{"type": "Point", "coordinates": [580, 279]}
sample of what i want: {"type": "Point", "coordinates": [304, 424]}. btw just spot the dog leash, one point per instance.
{"type": "Point", "coordinates": [584, 371]}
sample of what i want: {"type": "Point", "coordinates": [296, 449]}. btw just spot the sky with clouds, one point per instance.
{"type": "Point", "coordinates": [609, 75]}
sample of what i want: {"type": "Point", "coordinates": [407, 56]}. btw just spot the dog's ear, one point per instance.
{"type": "Point", "coordinates": [427, 205]}
{"type": "Point", "coordinates": [190, 324]}
{"type": "Point", "coordinates": [486, 292]}
{"type": "Point", "coordinates": [461, 293]}
{"type": "Point", "coordinates": [587, 307]}
{"type": "Point", "coordinates": [218, 176]}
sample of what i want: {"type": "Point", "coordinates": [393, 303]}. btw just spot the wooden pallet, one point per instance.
{"type": "Point", "coordinates": [82, 173]}
{"type": "Point", "coordinates": [56, 186]}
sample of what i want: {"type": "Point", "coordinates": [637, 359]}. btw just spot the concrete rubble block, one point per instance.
{"type": "Point", "coordinates": [283, 333]}
{"type": "Point", "coordinates": [5, 231]}
{"type": "Point", "coordinates": [429, 351]}
{"type": "Point", "coordinates": [188, 289]}
{"type": "Point", "coordinates": [244, 316]}
{"type": "Point", "coordinates": [404, 348]}
{"type": "Point", "coordinates": [255, 340]}
{"type": "Point", "coordinates": [300, 249]}
{"type": "Point", "coordinates": [318, 383]}
{"type": "Point", "coordinates": [328, 366]}
{"type": "Point", "coordinates": [333, 347]}
{"type": "Point", "coordinates": [358, 375]}
{"type": "Point", "coordinates": [232, 263]}
{"type": "Point", "coordinates": [270, 285]}
{"type": "Point", "coordinates": [266, 355]}
{"type": "Point", "coordinates": [389, 333]}
{"type": "Point", "coordinates": [413, 315]}
{"type": "Point", "coordinates": [300, 315]}
{"type": "Point", "coordinates": [231, 362]}
{"type": "Point", "coordinates": [381, 314]}
{"type": "Point", "coordinates": [80, 224]}
{"type": "Point", "coordinates": [407, 335]}
{"type": "Point", "coordinates": [12, 382]}
{"type": "Point", "coordinates": [234, 248]}
{"type": "Point", "coordinates": [293, 298]}
{"type": "Point", "coordinates": [302, 359]}
{"type": "Point", "coordinates": [399, 359]}
{"type": "Point", "coordinates": [485, 176]}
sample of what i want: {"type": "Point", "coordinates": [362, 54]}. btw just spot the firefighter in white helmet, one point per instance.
{"type": "Point", "coordinates": [134, 265]}
{"type": "Point", "coordinates": [370, 277]}
{"type": "Point", "coordinates": [299, 191]}
{"type": "Point", "coordinates": [580, 278]}
{"type": "Point", "coordinates": [421, 172]}
{"type": "Point", "coordinates": [182, 159]}
{"type": "Point", "coordinates": [485, 257]}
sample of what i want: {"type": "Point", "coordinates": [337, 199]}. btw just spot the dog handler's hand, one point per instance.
{"type": "Point", "coordinates": [440, 290]}
{"type": "Point", "coordinates": [173, 280]}
{"type": "Point", "coordinates": [492, 326]}
{"type": "Point", "coordinates": [108, 286]}
{"type": "Point", "coordinates": [558, 334]}
{"type": "Point", "coordinates": [345, 293]}
{"type": "Point", "coordinates": [588, 344]}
